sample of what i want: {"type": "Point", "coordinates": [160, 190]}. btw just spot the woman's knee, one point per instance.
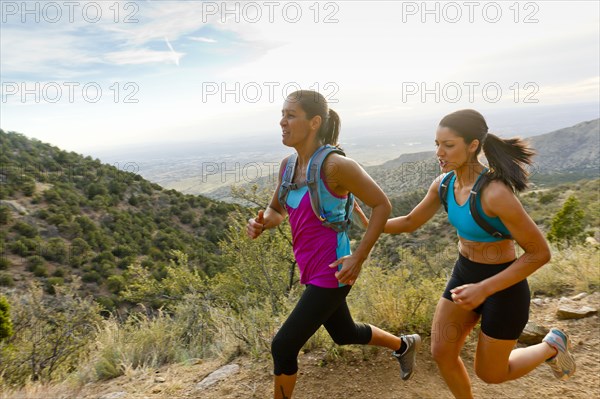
{"type": "Point", "coordinates": [360, 334]}
{"type": "Point", "coordinates": [281, 347]}
{"type": "Point", "coordinates": [341, 339]}
{"type": "Point", "coordinates": [443, 351]}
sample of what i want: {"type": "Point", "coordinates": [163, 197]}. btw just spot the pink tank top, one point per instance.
{"type": "Point", "coordinates": [315, 246]}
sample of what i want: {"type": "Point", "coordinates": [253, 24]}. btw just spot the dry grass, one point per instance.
{"type": "Point", "coordinates": [572, 269]}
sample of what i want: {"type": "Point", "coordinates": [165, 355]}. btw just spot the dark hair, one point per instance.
{"type": "Point", "coordinates": [507, 158]}
{"type": "Point", "coordinates": [313, 103]}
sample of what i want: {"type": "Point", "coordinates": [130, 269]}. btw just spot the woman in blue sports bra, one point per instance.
{"type": "Point", "coordinates": [488, 282]}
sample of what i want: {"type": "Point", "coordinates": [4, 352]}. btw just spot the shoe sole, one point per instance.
{"type": "Point", "coordinates": [567, 353]}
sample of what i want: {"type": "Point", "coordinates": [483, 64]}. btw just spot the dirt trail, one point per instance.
{"type": "Point", "coordinates": [364, 372]}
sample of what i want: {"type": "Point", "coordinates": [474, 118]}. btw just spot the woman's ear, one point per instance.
{"type": "Point", "coordinates": [315, 122]}
{"type": "Point", "coordinates": [473, 146]}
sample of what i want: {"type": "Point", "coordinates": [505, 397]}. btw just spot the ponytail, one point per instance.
{"type": "Point", "coordinates": [508, 159]}
{"type": "Point", "coordinates": [330, 129]}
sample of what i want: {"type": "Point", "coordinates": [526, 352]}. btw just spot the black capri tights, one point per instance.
{"type": "Point", "coordinates": [317, 306]}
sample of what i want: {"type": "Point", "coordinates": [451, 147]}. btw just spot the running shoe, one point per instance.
{"type": "Point", "coordinates": [408, 358]}
{"type": "Point", "coordinates": [563, 363]}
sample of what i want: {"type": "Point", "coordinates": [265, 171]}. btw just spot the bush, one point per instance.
{"type": "Point", "coordinates": [6, 328]}
{"type": "Point", "coordinates": [34, 261]}
{"type": "Point", "coordinates": [19, 248]}
{"type": "Point", "coordinates": [52, 282]}
{"type": "Point", "coordinates": [401, 298]}
{"type": "Point", "coordinates": [51, 335]}
{"type": "Point", "coordinates": [568, 224]}
{"type": "Point", "coordinates": [115, 284]}
{"type": "Point", "coordinates": [28, 187]}
{"type": "Point", "coordinates": [572, 269]}
{"type": "Point", "coordinates": [26, 230]}
{"type": "Point", "coordinates": [56, 250]}
{"type": "Point", "coordinates": [547, 198]}
{"type": "Point", "coordinates": [92, 277]}
{"type": "Point", "coordinates": [140, 342]}
{"type": "Point", "coordinates": [5, 215]}
{"type": "Point", "coordinates": [6, 280]}
{"type": "Point", "coordinates": [40, 271]}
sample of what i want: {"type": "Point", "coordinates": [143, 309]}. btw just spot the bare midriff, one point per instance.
{"type": "Point", "coordinates": [487, 252]}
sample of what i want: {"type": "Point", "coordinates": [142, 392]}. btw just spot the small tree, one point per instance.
{"type": "Point", "coordinates": [6, 329]}
{"type": "Point", "coordinates": [567, 225]}
{"type": "Point", "coordinates": [5, 216]}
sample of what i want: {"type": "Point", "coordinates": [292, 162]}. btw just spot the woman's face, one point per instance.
{"type": "Point", "coordinates": [295, 127]}
{"type": "Point", "coordinates": [452, 150]}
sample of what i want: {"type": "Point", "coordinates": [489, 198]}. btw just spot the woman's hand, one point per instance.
{"type": "Point", "coordinates": [256, 226]}
{"type": "Point", "coordinates": [469, 296]}
{"type": "Point", "coordinates": [351, 266]}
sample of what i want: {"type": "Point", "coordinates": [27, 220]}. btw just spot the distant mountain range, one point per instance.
{"type": "Point", "coordinates": [572, 149]}
{"type": "Point", "coordinates": [563, 155]}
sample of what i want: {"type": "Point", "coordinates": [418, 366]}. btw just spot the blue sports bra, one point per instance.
{"type": "Point", "coordinates": [466, 227]}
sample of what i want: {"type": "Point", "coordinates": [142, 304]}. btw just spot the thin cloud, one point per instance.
{"type": "Point", "coordinates": [176, 55]}
{"type": "Point", "coordinates": [202, 39]}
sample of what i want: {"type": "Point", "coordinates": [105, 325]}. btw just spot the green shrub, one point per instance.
{"type": "Point", "coordinates": [34, 261]}
{"type": "Point", "coordinates": [92, 277]}
{"type": "Point", "coordinates": [6, 280]}
{"type": "Point", "coordinates": [51, 334]}
{"type": "Point", "coordinates": [568, 224]}
{"type": "Point", "coordinates": [25, 230]}
{"type": "Point", "coordinates": [40, 271]}
{"type": "Point", "coordinates": [6, 328]}
{"type": "Point", "coordinates": [571, 269]}
{"type": "Point", "coordinates": [5, 215]}
{"type": "Point", "coordinates": [52, 282]}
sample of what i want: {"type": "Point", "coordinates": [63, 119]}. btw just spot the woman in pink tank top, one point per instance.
{"type": "Point", "coordinates": [327, 267]}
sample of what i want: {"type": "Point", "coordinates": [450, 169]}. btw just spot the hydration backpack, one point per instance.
{"type": "Point", "coordinates": [313, 176]}
{"type": "Point", "coordinates": [481, 222]}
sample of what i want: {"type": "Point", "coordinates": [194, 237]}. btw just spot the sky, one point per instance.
{"type": "Point", "coordinates": [94, 75]}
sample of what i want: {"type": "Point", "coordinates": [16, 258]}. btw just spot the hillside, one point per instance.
{"type": "Point", "coordinates": [64, 215]}
{"type": "Point", "coordinates": [76, 217]}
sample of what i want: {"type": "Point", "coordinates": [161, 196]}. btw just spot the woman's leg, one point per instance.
{"type": "Point", "coordinates": [344, 331]}
{"type": "Point", "coordinates": [503, 317]}
{"type": "Point", "coordinates": [284, 386]}
{"type": "Point", "coordinates": [497, 361]}
{"type": "Point", "coordinates": [383, 338]}
{"type": "Point", "coordinates": [315, 307]}
{"type": "Point", "coordinates": [451, 327]}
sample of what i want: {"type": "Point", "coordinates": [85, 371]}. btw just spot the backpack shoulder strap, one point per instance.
{"type": "Point", "coordinates": [313, 177]}
{"type": "Point", "coordinates": [286, 181]}
{"type": "Point", "coordinates": [484, 224]}
{"type": "Point", "coordinates": [443, 189]}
